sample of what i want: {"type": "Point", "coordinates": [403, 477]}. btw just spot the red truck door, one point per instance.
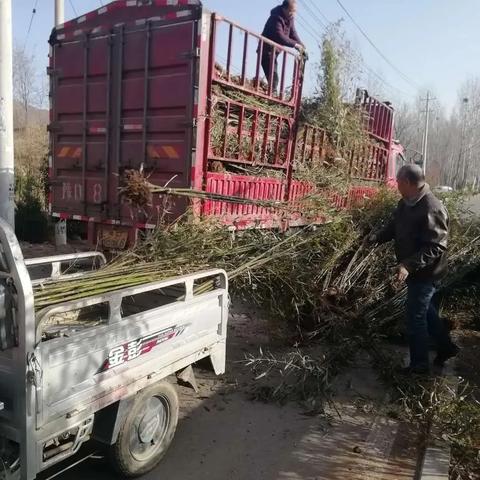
{"type": "Point", "coordinates": [122, 99]}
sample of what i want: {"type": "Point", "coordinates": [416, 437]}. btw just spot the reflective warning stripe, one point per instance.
{"type": "Point", "coordinates": [69, 152]}
{"type": "Point", "coordinates": [148, 226]}
{"type": "Point", "coordinates": [152, 152]}
{"type": "Point", "coordinates": [63, 152]}
{"type": "Point", "coordinates": [122, 4]}
{"type": "Point", "coordinates": [96, 130]}
{"type": "Point", "coordinates": [133, 127]}
{"type": "Point", "coordinates": [69, 216]}
{"type": "Point", "coordinates": [170, 152]}
{"type": "Point", "coordinates": [162, 151]}
{"type": "Point", "coordinates": [83, 218]}
{"type": "Point", "coordinates": [175, 3]}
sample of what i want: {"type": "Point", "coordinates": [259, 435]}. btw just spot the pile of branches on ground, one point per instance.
{"type": "Point", "coordinates": [311, 279]}
{"type": "Point", "coordinates": [320, 284]}
{"type": "Point", "coordinates": [447, 413]}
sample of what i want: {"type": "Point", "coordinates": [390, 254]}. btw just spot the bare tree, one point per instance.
{"type": "Point", "coordinates": [454, 138]}
{"type": "Point", "coordinates": [28, 84]}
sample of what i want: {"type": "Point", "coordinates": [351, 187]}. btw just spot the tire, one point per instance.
{"type": "Point", "coordinates": [147, 431]}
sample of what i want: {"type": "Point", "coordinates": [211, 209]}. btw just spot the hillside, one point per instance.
{"type": "Point", "coordinates": [36, 116]}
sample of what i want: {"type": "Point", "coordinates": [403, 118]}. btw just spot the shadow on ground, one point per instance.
{"type": "Point", "coordinates": [223, 435]}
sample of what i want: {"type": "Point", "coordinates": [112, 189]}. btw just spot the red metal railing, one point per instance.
{"type": "Point", "coordinates": [312, 144]}
{"type": "Point", "coordinates": [243, 186]}
{"type": "Point", "coordinates": [248, 122]}
{"type": "Point", "coordinates": [379, 117]}
{"type": "Point", "coordinates": [247, 75]}
{"type": "Point", "coordinates": [251, 136]}
{"type": "Point", "coordinates": [369, 163]}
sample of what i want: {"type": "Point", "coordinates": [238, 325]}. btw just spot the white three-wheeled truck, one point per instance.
{"type": "Point", "coordinates": [96, 368]}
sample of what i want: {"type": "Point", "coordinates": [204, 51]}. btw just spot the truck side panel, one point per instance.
{"type": "Point", "coordinates": [87, 366]}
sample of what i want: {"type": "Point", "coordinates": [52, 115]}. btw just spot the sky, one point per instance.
{"type": "Point", "coordinates": [435, 44]}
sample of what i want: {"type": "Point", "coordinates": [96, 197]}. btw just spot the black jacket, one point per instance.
{"type": "Point", "coordinates": [420, 232]}
{"type": "Point", "coordinates": [280, 28]}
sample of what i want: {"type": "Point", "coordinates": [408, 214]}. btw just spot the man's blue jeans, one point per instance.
{"type": "Point", "coordinates": [423, 320]}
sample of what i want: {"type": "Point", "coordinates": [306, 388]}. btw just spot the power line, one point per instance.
{"type": "Point", "coordinates": [314, 15]}
{"type": "Point", "coordinates": [382, 80]}
{"type": "Point", "coordinates": [313, 5]}
{"type": "Point", "coordinates": [370, 41]}
{"type": "Point", "coordinates": [73, 8]}
{"type": "Point", "coordinates": [312, 32]}
{"type": "Point", "coordinates": [307, 27]}
{"type": "Point", "coordinates": [34, 11]}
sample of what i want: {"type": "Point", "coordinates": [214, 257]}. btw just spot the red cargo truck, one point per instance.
{"type": "Point", "coordinates": [166, 86]}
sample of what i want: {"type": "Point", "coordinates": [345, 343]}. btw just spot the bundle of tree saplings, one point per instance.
{"type": "Point", "coordinates": [314, 277]}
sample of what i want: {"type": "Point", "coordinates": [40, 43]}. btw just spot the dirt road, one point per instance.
{"type": "Point", "coordinates": [224, 435]}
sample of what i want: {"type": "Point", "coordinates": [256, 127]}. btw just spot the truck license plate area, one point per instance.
{"type": "Point", "coordinates": [113, 238]}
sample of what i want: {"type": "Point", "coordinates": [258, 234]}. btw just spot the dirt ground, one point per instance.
{"type": "Point", "coordinates": [35, 250]}
{"type": "Point", "coordinates": [224, 434]}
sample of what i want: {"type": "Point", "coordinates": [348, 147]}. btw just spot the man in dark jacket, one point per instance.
{"type": "Point", "coordinates": [419, 227]}
{"type": "Point", "coordinates": [280, 28]}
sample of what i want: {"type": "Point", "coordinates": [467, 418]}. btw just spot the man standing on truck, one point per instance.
{"type": "Point", "coordinates": [419, 227]}
{"type": "Point", "coordinates": [280, 28]}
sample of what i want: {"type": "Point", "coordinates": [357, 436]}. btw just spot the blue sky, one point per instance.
{"type": "Point", "coordinates": [434, 42]}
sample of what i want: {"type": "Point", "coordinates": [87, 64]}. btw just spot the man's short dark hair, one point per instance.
{"type": "Point", "coordinates": [412, 174]}
{"type": "Point", "coordinates": [287, 3]}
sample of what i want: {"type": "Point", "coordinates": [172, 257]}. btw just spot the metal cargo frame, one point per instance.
{"type": "Point", "coordinates": [266, 137]}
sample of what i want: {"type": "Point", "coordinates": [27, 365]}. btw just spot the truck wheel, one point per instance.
{"type": "Point", "coordinates": [147, 431]}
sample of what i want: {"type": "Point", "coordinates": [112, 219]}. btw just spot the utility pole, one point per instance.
{"type": "Point", "coordinates": [59, 12]}
{"type": "Point", "coordinates": [7, 176]}
{"type": "Point", "coordinates": [463, 158]}
{"type": "Point", "coordinates": [426, 132]}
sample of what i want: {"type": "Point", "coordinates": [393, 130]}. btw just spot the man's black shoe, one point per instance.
{"type": "Point", "coordinates": [415, 371]}
{"type": "Point", "coordinates": [442, 357]}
